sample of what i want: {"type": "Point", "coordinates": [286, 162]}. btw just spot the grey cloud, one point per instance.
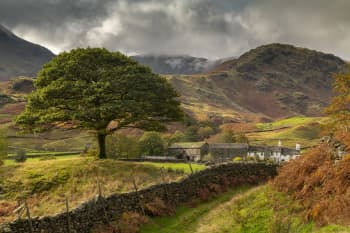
{"type": "Point", "coordinates": [205, 28]}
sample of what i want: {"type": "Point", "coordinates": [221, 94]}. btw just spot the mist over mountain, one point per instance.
{"type": "Point", "coordinates": [19, 57]}
{"type": "Point", "coordinates": [175, 64]}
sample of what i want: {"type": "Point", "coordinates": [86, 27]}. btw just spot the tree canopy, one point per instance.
{"type": "Point", "coordinates": [151, 144]}
{"type": "Point", "coordinates": [99, 90]}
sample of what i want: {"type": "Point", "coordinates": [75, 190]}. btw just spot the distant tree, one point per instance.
{"type": "Point", "coordinates": [240, 138]}
{"type": "Point", "coordinates": [339, 110]}
{"type": "Point", "coordinates": [169, 139]}
{"type": "Point", "coordinates": [21, 156]}
{"type": "Point", "coordinates": [3, 146]}
{"type": "Point", "coordinates": [151, 143]}
{"type": "Point", "coordinates": [178, 136]}
{"type": "Point", "coordinates": [102, 91]}
{"type": "Point", "coordinates": [191, 134]}
{"type": "Point", "coordinates": [226, 136]}
{"type": "Point", "coordinates": [205, 132]}
{"type": "Point", "coordinates": [121, 146]}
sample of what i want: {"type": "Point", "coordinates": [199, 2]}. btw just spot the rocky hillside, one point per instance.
{"type": "Point", "coordinates": [271, 81]}
{"type": "Point", "coordinates": [19, 57]}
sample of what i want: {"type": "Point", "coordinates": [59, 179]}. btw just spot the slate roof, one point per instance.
{"type": "Point", "coordinates": [187, 145]}
{"type": "Point", "coordinates": [229, 146]}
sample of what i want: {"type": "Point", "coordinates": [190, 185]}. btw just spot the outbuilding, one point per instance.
{"type": "Point", "coordinates": [190, 151]}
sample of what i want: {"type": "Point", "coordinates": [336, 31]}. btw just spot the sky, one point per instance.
{"type": "Point", "coordinates": [204, 28]}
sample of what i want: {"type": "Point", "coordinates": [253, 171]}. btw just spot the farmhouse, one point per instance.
{"type": "Point", "coordinates": [275, 153]}
{"type": "Point", "coordinates": [195, 151]}
{"type": "Point", "coordinates": [228, 151]}
{"type": "Point", "coordinates": [191, 151]}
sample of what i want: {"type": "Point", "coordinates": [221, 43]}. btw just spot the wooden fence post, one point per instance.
{"type": "Point", "coordinates": [101, 198]}
{"type": "Point", "coordinates": [68, 217]}
{"type": "Point", "coordinates": [137, 193]}
{"type": "Point", "coordinates": [19, 209]}
{"type": "Point", "coordinates": [165, 184]}
{"type": "Point", "coordinates": [29, 217]}
{"type": "Point", "coordinates": [190, 165]}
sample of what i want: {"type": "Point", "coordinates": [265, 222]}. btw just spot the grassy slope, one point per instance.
{"type": "Point", "coordinates": [202, 98]}
{"type": "Point", "coordinates": [303, 130]}
{"type": "Point", "coordinates": [46, 183]}
{"type": "Point", "coordinates": [259, 210]}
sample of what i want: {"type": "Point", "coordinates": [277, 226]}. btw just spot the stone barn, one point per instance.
{"type": "Point", "coordinates": [190, 151]}
{"type": "Point", "coordinates": [228, 151]}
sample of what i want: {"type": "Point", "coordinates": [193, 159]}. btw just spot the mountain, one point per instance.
{"type": "Point", "coordinates": [175, 64]}
{"type": "Point", "coordinates": [268, 82]}
{"type": "Point", "coordinates": [19, 57]}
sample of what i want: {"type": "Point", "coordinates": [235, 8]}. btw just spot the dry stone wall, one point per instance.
{"type": "Point", "coordinates": [110, 208]}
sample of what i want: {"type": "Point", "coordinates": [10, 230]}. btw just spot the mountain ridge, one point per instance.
{"type": "Point", "coordinates": [20, 57]}
{"type": "Point", "coordinates": [271, 81]}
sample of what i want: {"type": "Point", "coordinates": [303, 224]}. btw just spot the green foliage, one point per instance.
{"type": "Point", "coordinates": [191, 134]}
{"type": "Point", "coordinates": [93, 87]}
{"type": "Point", "coordinates": [120, 146]}
{"type": "Point", "coordinates": [226, 136]}
{"type": "Point", "coordinates": [151, 144]}
{"type": "Point", "coordinates": [205, 132]}
{"type": "Point", "coordinates": [21, 156]}
{"type": "Point", "coordinates": [169, 139]}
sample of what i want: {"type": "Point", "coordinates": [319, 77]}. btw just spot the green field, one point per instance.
{"type": "Point", "coordinates": [290, 122]}
{"type": "Point", "coordinates": [306, 131]}
{"type": "Point", "coordinates": [243, 210]}
{"type": "Point", "coordinates": [177, 166]}
{"type": "Point", "coordinates": [45, 184]}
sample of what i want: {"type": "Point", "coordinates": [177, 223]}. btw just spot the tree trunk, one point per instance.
{"type": "Point", "coordinates": [102, 145]}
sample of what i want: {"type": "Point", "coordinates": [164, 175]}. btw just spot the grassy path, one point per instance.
{"type": "Point", "coordinates": [244, 210]}
{"type": "Point", "coordinates": [188, 219]}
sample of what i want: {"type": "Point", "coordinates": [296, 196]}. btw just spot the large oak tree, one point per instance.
{"type": "Point", "coordinates": [99, 90]}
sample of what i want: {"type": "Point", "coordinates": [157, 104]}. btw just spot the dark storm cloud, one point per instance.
{"type": "Point", "coordinates": [206, 28]}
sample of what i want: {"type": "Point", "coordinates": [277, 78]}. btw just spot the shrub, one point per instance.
{"type": "Point", "coordinates": [151, 144]}
{"type": "Point", "coordinates": [216, 188]}
{"type": "Point", "coordinates": [158, 208]}
{"type": "Point", "coordinates": [204, 194]}
{"type": "Point", "coordinates": [319, 184]}
{"type": "Point", "coordinates": [121, 146]}
{"type": "Point", "coordinates": [130, 222]}
{"type": "Point", "coordinates": [21, 156]}
{"type": "Point", "coordinates": [208, 157]}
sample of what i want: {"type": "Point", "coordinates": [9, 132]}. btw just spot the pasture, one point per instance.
{"type": "Point", "coordinates": [46, 184]}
